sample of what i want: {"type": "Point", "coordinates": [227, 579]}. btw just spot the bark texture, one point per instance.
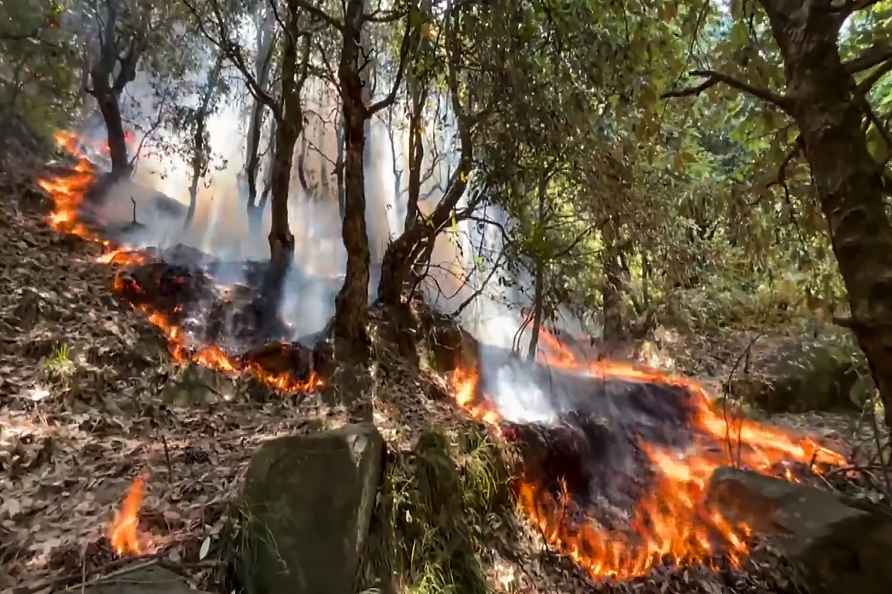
{"type": "Point", "coordinates": [822, 98]}
{"type": "Point", "coordinates": [351, 304]}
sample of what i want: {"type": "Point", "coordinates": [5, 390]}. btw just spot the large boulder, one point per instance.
{"type": "Point", "coordinates": [839, 548]}
{"type": "Point", "coordinates": [796, 375]}
{"type": "Point", "coordinates": [308, 505]}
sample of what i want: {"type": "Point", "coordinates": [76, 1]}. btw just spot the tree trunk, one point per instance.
{"type": "Point", "coordinates": [416, 156]}
{"type": "Point", "coordinates": [399, 258]}
{"type": "Point", "coordinates": [281, 241]}
{"type": "Point", "coordinates": [114, 126]}
{"type": "Point", "coordinates": [612, 293]}
{"type": "Point", "coordinates": [847, 179]}
{"type": "Point", "coordinates": [539, 296]}
{"type": "Point", "coordinates": [339, 164]}
{"type": "Point", "coordinates": [538, 302]}
{"type": "Point", "coordinates": [351, 303]}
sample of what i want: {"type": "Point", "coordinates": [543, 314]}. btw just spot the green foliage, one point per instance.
{"type": "Point", "coordinates": [434, 511]}
{"type": "Point", "coordinates": [39, 73]}
{"type": "Point", "coordinates": [59, 364]}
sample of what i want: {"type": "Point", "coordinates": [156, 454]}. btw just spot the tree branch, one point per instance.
{"type": "Point", "coordinates": [872, 56]}
{"type": "Point", "coordinates": [319, 14]}
{"type": "Point", "coordinates": [853, 6]}
{"type": "Point", "coordinates": [410, 39]}
{"type": "Point", "coordinates": [713, 78]}
{"type": "Point", "coordinates": [871, 79]}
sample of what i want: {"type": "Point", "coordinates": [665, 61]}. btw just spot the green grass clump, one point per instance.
{"type": "Point", "coordinates": [436, 503]}
{"type": "Point", "coordinates": [59, 363]}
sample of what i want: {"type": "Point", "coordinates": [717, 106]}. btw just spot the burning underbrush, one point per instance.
{"type": "Point", "coordinates": [617, 459]}
{"type": "Point", "coordinates": [232, 328]}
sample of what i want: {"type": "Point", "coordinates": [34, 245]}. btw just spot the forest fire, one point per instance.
{"type": "Point", "coordinates": [68, 191]}
{"type": "Point", "coordinates": [671, 520]}
{"type": "Point", "coordinates": [123, 532]}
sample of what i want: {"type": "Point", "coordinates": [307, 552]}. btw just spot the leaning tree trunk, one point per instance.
{"type": "Point", "coordinates": [829, 113]}
{"type": "Point", "coordinates": [110, 108]}
{"type": "Point", "coordinates": [288, 130]}
{"type": "Point", "coordinates": [351, 303]}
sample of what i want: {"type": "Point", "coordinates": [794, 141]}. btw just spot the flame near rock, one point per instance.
{"type": "Point", "coordinates": [672, 521]}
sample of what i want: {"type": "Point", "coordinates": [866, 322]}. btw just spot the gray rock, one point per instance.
{"type": "Point", "coordinates": [308, 505]}
{"type": "Point", "coordinates": [796, 375]}
{"type": "Point", "coordinates": [194, 384]}
{"type": "Point", "coordinates": [153, 579]}
{"type": "Point", "coordinates": [839, 548]}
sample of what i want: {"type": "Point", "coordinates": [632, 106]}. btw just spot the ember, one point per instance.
{"type": "Point", "coordinates": [678, 444]}
{"type": "Point", "coordinates": [123, 533]}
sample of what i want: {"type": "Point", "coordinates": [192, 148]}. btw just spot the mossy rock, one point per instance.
{"type": "Point", "coordinates": [308, 502]}
{"type": "Point", "coordinates": [796, 375]}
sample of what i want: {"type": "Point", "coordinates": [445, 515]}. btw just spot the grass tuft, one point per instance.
{"type": "Point", "coordinates": [434, 506]}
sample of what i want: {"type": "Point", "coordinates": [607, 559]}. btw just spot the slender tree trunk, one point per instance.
{"type": "Point", "coordinates": [288, 130]}
{"type": "Point", "coordinates": [339, 163]}
{"type": "Point", "coordinates": [193, 202]}
{"type": "Point", "coordinates": [351, 304]}
{"type": "Point", "coordinates": [848, 180]}
{"type": "Point", "coordinates": [399, 258]}
{"type": "Point", "coordinates": [416, 153]}
{"type": "Point", "coordinates": [539, 296]}
{"type": "Point", "coordinates": [612, 293]}
{"type": "Point", "coordinates": [281, 241]}
{"type": "Point", "coordinates": [200, 157]}
{"type": "Point", "coordinates": [538, 303]}
{"type": "Point", "coordinates": [262, 63]}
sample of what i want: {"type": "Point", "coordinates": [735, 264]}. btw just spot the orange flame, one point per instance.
{"type": "Point", "coordinates": [123, 532]}
{"type": "Point", "coordinates": [67, 192]}
{"type": "Point", "coordinates": [673, 521]}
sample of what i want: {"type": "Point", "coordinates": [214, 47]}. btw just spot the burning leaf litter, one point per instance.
{"type": "Point", "coordinates": [672, 520]}
{"type": "Point", "coordinates": [68, 191]}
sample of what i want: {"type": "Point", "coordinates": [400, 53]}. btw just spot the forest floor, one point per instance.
{"type": "Point", "coordinates": [83, 411]}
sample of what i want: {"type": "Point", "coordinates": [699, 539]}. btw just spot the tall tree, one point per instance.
{"type": "Point", "coordinates": [831, 110]}
{"type": "Point", "coordinates": [121, 38]}
{"type": "Point", "coordinates": [420, 233]}
{"type": "Point", "coordinates": [351, 303]}
{"type": "Point", "coordinates": [194, 121]}
{"type": "Point", "coordinates": [219, 25]}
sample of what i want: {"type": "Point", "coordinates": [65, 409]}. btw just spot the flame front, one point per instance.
{"type": "Point", "coordinates": [672, 522]}
{"type": "Point", "coordinates": [123, 533]}
{"type": "Point", "coordinates": [67, 192]}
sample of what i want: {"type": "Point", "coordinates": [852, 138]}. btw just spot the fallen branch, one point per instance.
{"type": "Point", "coordinates": [116, 567]}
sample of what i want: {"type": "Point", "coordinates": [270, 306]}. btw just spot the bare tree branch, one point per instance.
{"type": "Point", "coordinates": [872, 56]}
{"type": "Point", "coordinates": [410, 40]}
{"type": "Point", "coordinates": [871, 79]}
{"type": "Point", "coordinates": [713, 78]}
{"type": "Point", "coordinates": [319, 13]}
